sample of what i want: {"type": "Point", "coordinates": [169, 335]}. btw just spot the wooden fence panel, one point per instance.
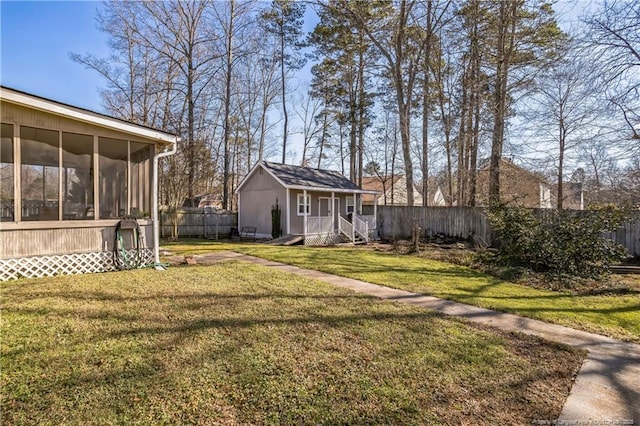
{"type": "Point", "coordinates": [395, 222]}
{"type": "Point", "coordinates": [196, 222]}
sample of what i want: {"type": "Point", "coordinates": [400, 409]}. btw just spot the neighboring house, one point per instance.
{"type": "Point", "coordinates": [438, 198]}
{"type": "Point", "coordinates": [319, 205]}
{"type": "Point", "coordinates": [67, 177]}
{"type": "Point", "coordinates": [518, 186]}
{"type": "Point", "coordinates": [204, 200]}
{"type": "Point", "coordinates": [392, 191]}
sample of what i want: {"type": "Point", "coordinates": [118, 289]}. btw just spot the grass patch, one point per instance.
{"type": "Point", "coordinates": [224, 344]}
{"type": "Point", "coordinates": [607, 313]}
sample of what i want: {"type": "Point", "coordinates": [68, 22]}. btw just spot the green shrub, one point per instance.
{"type": "Point", "coordinates": [276, 214]}
{"type": "Point", "coordinates": [558, 242]}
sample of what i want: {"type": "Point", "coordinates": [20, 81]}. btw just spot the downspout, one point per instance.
{"type": "Point", "coordinates": [156, 225]}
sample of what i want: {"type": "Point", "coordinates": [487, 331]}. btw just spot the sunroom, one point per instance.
{"type": "Point", "coordinates": [67, 177]}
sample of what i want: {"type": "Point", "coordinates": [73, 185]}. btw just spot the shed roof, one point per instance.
{"type": "Point", "coordinates": [298, 177]}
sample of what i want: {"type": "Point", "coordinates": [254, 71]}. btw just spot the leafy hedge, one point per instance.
{"type": "Point", "coordinates": [562, 242]}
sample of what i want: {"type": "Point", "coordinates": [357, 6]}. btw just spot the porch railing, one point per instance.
{"type": "Point", "coordinates": [345, 227]}
{"type": "Point", "coordinates": [318, 225]}
{"type": "Point", "coordinates": [361, 228]}
{"type": "Point", "coordinates": [371, 221]}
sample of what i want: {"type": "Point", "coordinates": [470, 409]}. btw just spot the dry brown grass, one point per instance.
{"type": "Point", "coordinates": [239, 344]}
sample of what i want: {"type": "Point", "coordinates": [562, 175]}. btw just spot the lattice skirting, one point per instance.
{"type": "Point", "coordinates": [321, 239]}
{"type": "Point", "coordinates": [66, 264]}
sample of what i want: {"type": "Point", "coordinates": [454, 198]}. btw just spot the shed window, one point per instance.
{"type": "Point", "coordinates": [350, 204]}
{"type": "Point", "coordinates": [304, 206]}
{"type": "Point", "coordinates": [6, 174]}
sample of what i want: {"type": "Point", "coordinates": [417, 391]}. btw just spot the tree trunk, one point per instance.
{"type": "Point", "coordinates": [426, 107]}
{"type": "Point", "coordinates": [227, 112]}
{"type": "Point", "coordinates": [284, 100]}
{"type": "Point", "coordinates": [361, 107]}
{"type": "Point", "coordinates": [462, 137]}
{"type": "Point", "coordinates": [561, 139]}
{"type": "Point", "coordinates": [477, 102]}
{"type": "Point", "coordinates": [507, 22]}
{"type": "Point", "coordinates": [404, 106]}
{"type": "Point", "coordinates": [191, 158]}
{"type": "Point", "coordinates": [323, 136]}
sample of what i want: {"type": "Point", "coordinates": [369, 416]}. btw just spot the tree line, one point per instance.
{"type": "Point", "coordinates": [432, 89]}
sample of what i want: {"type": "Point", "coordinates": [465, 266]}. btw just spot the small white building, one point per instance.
{"type": "Point", "coordinates": [67, 176]}
{"type": "Point", "coordinates": [322, 206]}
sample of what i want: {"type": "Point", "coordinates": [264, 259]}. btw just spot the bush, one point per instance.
{"type": "Point", "coordinates": [276, 228]}
{"type": "Point", "coordinates": [558, 242]}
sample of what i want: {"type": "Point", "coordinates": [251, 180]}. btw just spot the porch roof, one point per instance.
{"type": "Point", "coordinates": [306, 178]}
{"type": "Point", "coordinates": [29, 100]}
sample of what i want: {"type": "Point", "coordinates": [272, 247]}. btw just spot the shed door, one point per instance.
{"type": "Point", "coordinates": [324, 208]}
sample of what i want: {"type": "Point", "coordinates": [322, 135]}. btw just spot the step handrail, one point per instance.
{"type": "Point", "coordinates": [345, 227]}
{"type": "Point", "coordinates": [361, 228]}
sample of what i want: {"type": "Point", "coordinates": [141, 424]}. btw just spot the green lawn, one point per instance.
{"type": "Point", "coordinates": [244, 344]}
{"type": "Point", "coordinates": [617, 316]}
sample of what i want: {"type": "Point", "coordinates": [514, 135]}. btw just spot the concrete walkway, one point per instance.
{"type": "Point", "coordinates": [607, 388]}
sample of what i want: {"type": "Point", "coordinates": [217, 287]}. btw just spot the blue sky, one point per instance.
{"type": "Point", "coordinates": [36, 38]}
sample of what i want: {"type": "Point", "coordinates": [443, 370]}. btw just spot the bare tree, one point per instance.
{"type": "Point", "coordinates": [390, 29]}
{"type": "Point", "coordinates": [565, 109]}
{"type": "Point", "coordinates": [613, 41]}
{"type": "Point", "coordinates": [435, 17]}
{"type": "Point", "coordinates": [133, 71]}
{"type": "Point", "coordinates": [525, 37]}
{"type": "Point", "coordinates": [308, 110]}
{"type": "Point", "coordinates": [234, 19]}
{"type": "Point", "coordinates": [284, 21]}
{"type": "Point", "coordinates": [180, 32]}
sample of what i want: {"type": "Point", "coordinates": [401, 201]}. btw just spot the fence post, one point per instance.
{"type": "Point", "coordinates": [204, 222]}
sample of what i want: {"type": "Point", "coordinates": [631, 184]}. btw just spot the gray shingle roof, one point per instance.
{"type": "Point", "coordinates": [306, 176]}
